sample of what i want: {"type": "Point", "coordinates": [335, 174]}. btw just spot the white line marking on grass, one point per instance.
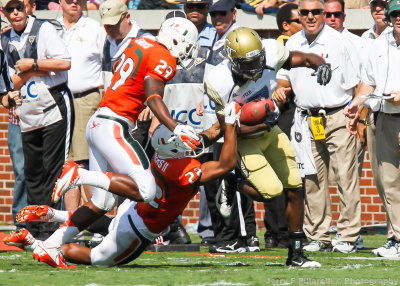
{"type": "Point", "coordinates": [355, 266]}
{"type": "Point", "coordinates": [223, 282]}
{"type": "Point", "coordinates": [368, 258]}
{"type": "Point", "coordinates": [237, 263]}
{"type": "Point", "coordinates": [10, 257]}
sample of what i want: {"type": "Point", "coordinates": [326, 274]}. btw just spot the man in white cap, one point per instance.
{"type": "Point", "coordinates": [121, 29]}
{"type": "Point", "coordinates": [84, 39]}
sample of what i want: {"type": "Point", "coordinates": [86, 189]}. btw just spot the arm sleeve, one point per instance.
{"type": "Point", "coordinates": [50, 44]}
{"type": "Point", "coordinates": [283, 54]}
{"type": "Point", "coordinates": [213, 94]}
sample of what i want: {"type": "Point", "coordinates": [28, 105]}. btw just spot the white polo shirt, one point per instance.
{"type": "Point", "coordinates": [84, 41]}
{"type": "Point", "coordinates": [357, 47]}
{"type": "Point", "coordinates": [336, 50]}
{"type": "Point", "coordinates": [49, 46]}
{"type": "Point", "coordinates": [383, 68]}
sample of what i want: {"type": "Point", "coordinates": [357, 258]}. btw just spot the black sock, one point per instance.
{"type": "Point", "coordinates": [100, 225]}
{"type": "Point", "coordinates": [295, 242]}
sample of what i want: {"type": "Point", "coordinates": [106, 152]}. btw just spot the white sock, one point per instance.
{"type": "Point", "coordinates": [63, 234]}
{"type": "Point", "coordinates": [94, 178]}
{"type": "Point", "coordinates": [60, 216]}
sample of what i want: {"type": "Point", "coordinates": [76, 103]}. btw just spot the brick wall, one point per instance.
{"type": "Point", "coordinates": [372, 209]}
{"type": "Point", "coordinates": [6, 173]}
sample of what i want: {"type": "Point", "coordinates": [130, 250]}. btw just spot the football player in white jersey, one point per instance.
{"type": "Point", "coordinates": [266, 156]}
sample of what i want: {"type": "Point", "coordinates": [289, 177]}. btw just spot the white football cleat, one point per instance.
{"type": "Point", "coordinates": [48, 253]}
{"type": "Point", "coordinates": [223, 201]}
{"type": "Point", "coordinates": [67, 180]}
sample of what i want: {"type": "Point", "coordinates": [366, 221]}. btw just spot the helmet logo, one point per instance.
{"type": "Point", "coordinates": [105, 10]}
{"type": "Point", "coordinates": [229, 49]}
{"type": "Point", "coordinates": [252, 53]}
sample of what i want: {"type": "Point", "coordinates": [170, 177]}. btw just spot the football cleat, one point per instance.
{"type": "Point", "coordinates": [67, 180]}
{"type": "Point", "coordinates": [252, 244]}
{"type": "Point", "coordinates": [35, 213]}
{"type": "Point", "coordinates": [48, 253]}
{"type": "Point", "coordinates": [19, 238]}
{"type": "Point", "coordinates": [224, 197]}
{"type": "Point", "coordinates": [300, 260]}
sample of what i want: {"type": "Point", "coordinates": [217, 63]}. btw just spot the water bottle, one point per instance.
{"type": "Point", "coordinates": [133, 4]}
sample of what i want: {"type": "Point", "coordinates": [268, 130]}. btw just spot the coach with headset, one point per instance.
{"type": "Point", "coordinates": [381, 77]}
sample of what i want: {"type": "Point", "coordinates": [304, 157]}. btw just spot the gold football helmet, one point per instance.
{"type": "Point", "coordinates": [244, 50]}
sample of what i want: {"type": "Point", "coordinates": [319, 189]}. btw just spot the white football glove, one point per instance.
{"type": "Point", "coordinates": [232, 113]}
{"type": "Point", "coordinates": [188, 136]}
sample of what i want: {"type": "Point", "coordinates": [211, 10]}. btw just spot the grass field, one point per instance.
{"type": "Point", "coordinates": [175, 268]}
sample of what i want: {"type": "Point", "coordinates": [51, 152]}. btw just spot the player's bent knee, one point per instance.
{"type": "Point", "coordinates": [148, 189]}
{"type": "Point", "coordinates": [267, 188]}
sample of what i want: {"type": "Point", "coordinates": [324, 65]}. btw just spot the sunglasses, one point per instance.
{"type": "Point", "coordinates": [294, 20]}
{"type": "Point", "coordinates": [336, 14]}
{"type": "Point", "coordinates": [20, 7]}
{"type": "Point", "coordinates": [395, 14]}
{"type": "Point", "coordinates": [216, 13]}
{"type": "Point", "coordinates": [199, 6]}
{"type": "Point", "coordinates": [305, 12]}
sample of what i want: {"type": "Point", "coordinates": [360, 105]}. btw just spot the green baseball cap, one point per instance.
{"type": "Point", "coordinates": [394, 5]}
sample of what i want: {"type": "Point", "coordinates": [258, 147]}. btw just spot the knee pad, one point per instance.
{"type": "Point", "coordinates": [103, 200]}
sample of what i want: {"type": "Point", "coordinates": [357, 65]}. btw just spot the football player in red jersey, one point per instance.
{"type": "Point", "coordinates": [178, 175]}
{"type": "Point", "coordinates": [139, 78]}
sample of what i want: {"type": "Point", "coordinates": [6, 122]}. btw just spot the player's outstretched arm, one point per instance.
{"type": "Point", "coordinates": [323, 70]}
{"type": "Point", "coordinates": [214, 169]}
{"type": "Point", "coordinates": [154, 90]}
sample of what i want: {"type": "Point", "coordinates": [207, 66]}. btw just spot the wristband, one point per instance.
{"type": "Point", "coordinates": [153, 95]}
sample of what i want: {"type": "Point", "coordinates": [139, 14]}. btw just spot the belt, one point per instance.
{"type": "Point", "coordinates": [322, 110]}
{"type": "Point", "coordinates": [392, 114]}
{"type": "Point", "coordinates": [59, 88]}
{"type": "Point", "coordinates": [84, 93]}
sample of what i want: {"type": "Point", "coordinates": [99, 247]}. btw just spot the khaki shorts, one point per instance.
{"type": "Point", "coordinates": [85, 107]}
{"type": "Point", "coordinates": [269, 160]}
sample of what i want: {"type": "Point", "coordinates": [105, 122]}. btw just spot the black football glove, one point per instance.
{"type": "Point", "coordinates": [272, 115]}
{"type": "Point", "coordinates": [324, 74]}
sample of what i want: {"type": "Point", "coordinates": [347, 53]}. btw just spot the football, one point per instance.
{"type": "Point", "coordinates": [254, 112]}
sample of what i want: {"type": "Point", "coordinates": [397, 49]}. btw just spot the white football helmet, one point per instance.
{"type": "Point", "coordinates": [179, 36]}
{"type": "Point", "coordinates": [169, 146]}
